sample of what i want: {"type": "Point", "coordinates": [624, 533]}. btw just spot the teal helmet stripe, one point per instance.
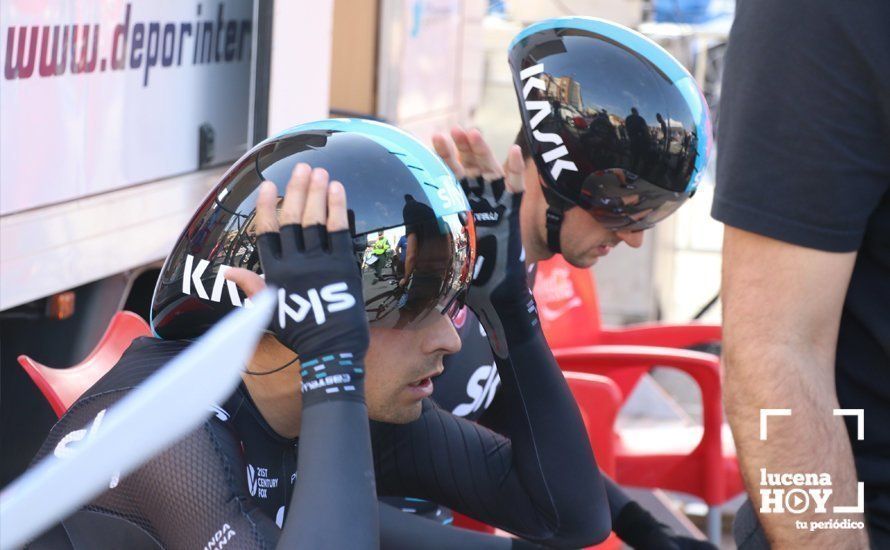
{"type": "Point", "coordinates": [699, 108]}
{"type": "Point", "coordinates": [630, 38]}
{"type": "Point", "coordinates": [434, 176]}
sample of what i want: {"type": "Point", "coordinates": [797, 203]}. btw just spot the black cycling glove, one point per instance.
{"type": "Point", "coordinates": [639, 529]}
{"type": "Point", "coordinates": [320, 309]}
{"type": "Point", "coordinates": [500, 286]}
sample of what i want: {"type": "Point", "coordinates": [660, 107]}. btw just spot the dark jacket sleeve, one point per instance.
{"type": "Point", "coordinates": [538, 480]}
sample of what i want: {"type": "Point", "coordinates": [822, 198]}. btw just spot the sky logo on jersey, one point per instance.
{"type": "Point", "coordinates": [336, 297]}
{"type": "Point", "coordinates": [542, 108]}
{"type": "Point", "coordinates": [67, 446]}
{"type": "Point", "coordinates": [481, 388]}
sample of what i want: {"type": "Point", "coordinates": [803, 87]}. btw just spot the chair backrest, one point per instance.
{"type": "Point", "coordinates": [62, 387]}
{"type": "Point", "coordinates": [567, 304]}
{"type": "Point", "coordinates": [599, 400]}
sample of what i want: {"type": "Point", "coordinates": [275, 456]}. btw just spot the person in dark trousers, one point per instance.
{"type": "Point", "coordinates": [802, 185]}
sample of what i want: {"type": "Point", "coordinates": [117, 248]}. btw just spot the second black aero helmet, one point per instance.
{"type": "Point", "coordinates": [615, 124]}
{"type": "Point", "coordinates": [395, 187]}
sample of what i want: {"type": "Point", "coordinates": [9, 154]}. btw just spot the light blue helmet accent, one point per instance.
{"type": "Point", "coordinates": [436, 179]}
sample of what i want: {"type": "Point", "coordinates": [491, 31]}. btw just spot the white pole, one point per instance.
{"type": "Point", "coordinates": [166, 407]}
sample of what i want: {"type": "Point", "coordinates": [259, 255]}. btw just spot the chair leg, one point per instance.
{"type": "Point", "coordinates": [714, 523]}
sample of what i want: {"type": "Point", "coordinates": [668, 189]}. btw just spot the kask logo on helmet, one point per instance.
{"type": "Point", "coordinates": [192, 279]}
{"type": "Point", "coordinates": [555, 155]}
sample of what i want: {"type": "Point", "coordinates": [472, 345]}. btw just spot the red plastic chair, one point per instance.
{"type": "Point", "coordinates": [697, 461]}
{"type": "Point", "coordinates": [62, 387]}
{"type": "Point", "coordinates": [599, 400]}
{"type": "Point", "coordinates": [570, 317]}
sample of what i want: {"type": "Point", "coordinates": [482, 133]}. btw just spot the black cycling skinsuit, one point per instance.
{"type": "Point", "coordinates": [470, 387]}
{"type": "Point", "coordinates": [235, 474]}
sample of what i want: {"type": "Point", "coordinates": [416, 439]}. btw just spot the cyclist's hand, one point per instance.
{"type": "Point", "coordinates": [309, 258]}
{"type": "Point", "coordinates": [247, 280]}
{"type": "Point", "coordinates": [495, 194]}
{"type": "Point", "coordinates": [470, 157]}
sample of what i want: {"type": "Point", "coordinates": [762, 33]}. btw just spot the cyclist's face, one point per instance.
{"type": "Point", "coordinates": [400, 364]}
{"type": "Point", "coordinates": [584, 240]}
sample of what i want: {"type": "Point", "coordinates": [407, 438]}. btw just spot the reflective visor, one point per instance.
{"type": "Point", "coordinates": [618, 199]}
{"type": "Point", "coordinates": [425, 270]}
{"type": "Point", "coordinates": [408, 271]}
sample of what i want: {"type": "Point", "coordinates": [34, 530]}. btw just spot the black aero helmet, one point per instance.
{"type": "Point", "coordinates": [395, 187]}
{"type": "Point", "coordinates": [614, 124]}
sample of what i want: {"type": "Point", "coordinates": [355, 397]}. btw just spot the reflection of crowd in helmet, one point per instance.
{"type": "Point", "coordinates": [419, 270]}
{"type": "Point", "coordinates": [379, 255]}
{"type": "Point", "coordinates": [660, 150]}
{"type": "Point", "coordinates": [236, 244]}
{"type": "Point", "coordinates": [427, 255]}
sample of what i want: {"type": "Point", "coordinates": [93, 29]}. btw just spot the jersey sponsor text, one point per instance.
{"type": "Point", "coordinates": [481, 388]}
{"type": "Point", "coordinates": [220, 538]}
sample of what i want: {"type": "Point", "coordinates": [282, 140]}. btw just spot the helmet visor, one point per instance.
{"type": "Point", "coordinates": [423, 267]}
{"type": "Point", "coordinates": [408, 271]}
{"type": "Point", "coordinates": [619, 199]}
{"type": "Point", "coordinates": [613, 122]}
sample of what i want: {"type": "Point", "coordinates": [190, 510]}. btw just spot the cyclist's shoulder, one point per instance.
{"type": "Point", "coordinates": [141, 359]}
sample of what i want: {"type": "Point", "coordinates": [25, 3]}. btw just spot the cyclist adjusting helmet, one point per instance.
{"type": "Point", "coordinates": [572, 76]}
{"type": "Point", "coordinates": [289, 435]}
{"type": "Point", "coordinates": [615, 125]}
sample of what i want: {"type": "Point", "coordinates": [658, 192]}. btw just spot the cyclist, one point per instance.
{"type": "Point", "coordinates": [238, 472]}
{"type": "Point", "coordinates": [593, 181]}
